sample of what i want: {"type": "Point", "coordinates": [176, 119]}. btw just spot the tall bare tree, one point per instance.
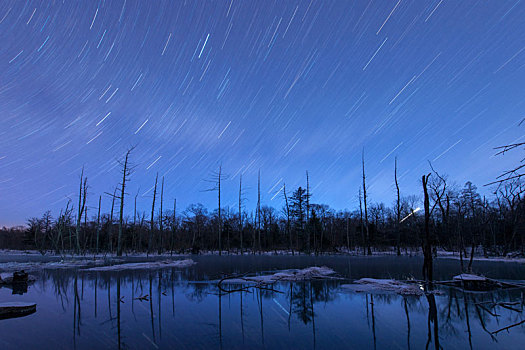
{"type": "Point", "coordinates": [398, 210]}
{"type": "Point", "coordinates": [258, 214]}
{"type": "Point", "coordinates": [219, 199]}
{"type": "Point", "coordinates": [368, 250]}
{"type": "Point", "coordinates": [240, 212]}
{"type": "Point", "coordinates": [287, 212]}
{"type": "Point", "coordinates": [126, 172]}
{"type": "Point", "coordinates": [98, 223]}
{"type": "Point", "coordinates": [215, 179]}
{"type": "Point", "coordinates": [308, 238]}
{"type": "Point", "coordinates": [161, 217]}
{"type": "Point", "coordinates": [427, 248]}
{"type": "Point", "coordinates": [110, 230]}
{"type": "Point", "coordinates": [152, 221]}
{"type": "Point", "coordinates": [81, 207]}
{"type": "Point", "coordinates": [173, 225]}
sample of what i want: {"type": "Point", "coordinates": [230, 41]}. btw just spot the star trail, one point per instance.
{"type": "Point", "coordinates": [283, 87]}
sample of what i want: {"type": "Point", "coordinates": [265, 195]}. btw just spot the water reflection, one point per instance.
{"type": "Point", "coordinates": [173, 308]}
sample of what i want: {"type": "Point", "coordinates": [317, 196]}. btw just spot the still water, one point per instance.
{"type": "Point", "coordinates": [182, 308]}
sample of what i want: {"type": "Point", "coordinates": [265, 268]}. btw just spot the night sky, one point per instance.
{"type": "Point", "coordinates": [280, 86]}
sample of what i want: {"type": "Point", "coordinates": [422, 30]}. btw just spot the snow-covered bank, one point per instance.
{"type": "Point", "coordinates": [342, 251]}
{"type": "Point", "coordinates": [52, 265]}
{"type": "Point", "coordinates": [145, 265]}
{"type": "Point", "coordinates": [112, 264]}
{"type": "Point", "coordinates": [372, 285]}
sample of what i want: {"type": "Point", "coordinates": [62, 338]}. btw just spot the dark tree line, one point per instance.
{"type": "Point", "coordinates": [452, 218]}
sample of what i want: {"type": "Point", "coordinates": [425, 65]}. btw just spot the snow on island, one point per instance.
{"type": "Point", "coordinates": [468, 277]}
{"type": "Point", "coordinates": [52, 265]}
{"type": "Point", "coordinates": [372, 285]}
{"type": "Point", "coordinates": [145, 265]}
{"type": "Point", "coordinates": [308, 273]}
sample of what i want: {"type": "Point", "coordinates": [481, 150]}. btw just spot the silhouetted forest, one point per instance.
{"type": "Point", "coordinates": [444, 216]}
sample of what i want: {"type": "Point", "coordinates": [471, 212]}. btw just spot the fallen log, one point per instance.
{"type": "Point", "coordinates": [12, 310]}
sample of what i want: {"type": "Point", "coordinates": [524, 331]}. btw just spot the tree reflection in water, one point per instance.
{"type": "Point", "coordinates": [307, 314]}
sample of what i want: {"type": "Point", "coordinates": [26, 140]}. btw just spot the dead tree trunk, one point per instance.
{"type": "Point", "coordinates": [258, 214]}
{"type": "Point", "coordinates": [110, 232]}
{"type": "Point", "coordinates": [288, 218]}
{"type": "Point", "coordinates": [152, 222]}
{"type": "Point", "coordinates": [368, 250]}
{"type": "Point", "coordinates": [363, 239]}
{"type": "Point", "coordinates": [308, 213]}
{"type": "Point", "coordinates": [220, 222]}
{"type": "Point", "coordinates": [398, 211]}
{"type": "Point", "coordinates": [81, 207]}
{"type": "Point", "coordinates": [427, 245]}
{"type": "Point", "coordinates": [240, 211]}
{"type": "Point", "coordinates": [161, 227]}
{"type": "Point", "coordinates": [125, 174]}
{"type": "Point", "coordinates": [174, 225]}
{"type": "Point", "coordinates": [98, 222]}
{"type": "Point", "coordinates": [135, 222]}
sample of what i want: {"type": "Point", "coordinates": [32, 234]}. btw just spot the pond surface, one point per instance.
{"type": "Point", "coordinates": [180, 308]}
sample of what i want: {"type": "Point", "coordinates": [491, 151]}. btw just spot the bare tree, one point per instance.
{"type": "Point", "coordinates": [98, 223]}
{"type": "Point", "coordinates": [398, 210]}
{"type": "Point", "coordinates": [515, 173]}
{"type": "Point", "coordinates": [134, 239]}
{"type": "Point", "coordinates": [258, 213]}
{"type": "Point", "coordinates": [215, 179]}
{"type": "Point", "coordinates": [369, 251]}
{"type": "Point", "coordinates": [287, 212]}
{"type": "Point", "coordinates": [110, 231]}
{"type": "Point", "coordinates": [161, 217]}
{"type": "Point", "coordinates": [126, 172]}
{"type": "Point", "coordinates": [427, 249]}
{"type": "Point", "coordinates": [81, 207]}
{"type": "Point", "coordinates": [152, 221]}
{"type": "Point", "coordinates": [173, 225]}
{"type": "Point", "coordinates": [308, 238]}
{"type": "Point", "coordinates": [361, 222]}
{"type": "Point", "coordinates": [240, 212]}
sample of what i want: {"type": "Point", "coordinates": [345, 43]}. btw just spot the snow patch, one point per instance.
{"type": "Point", "coordinates": [468, 277]}
{"type": "Point", "coordinates": [372, 285]}
{"type": "Point", "coordinates": [309, 273]}
{"type": "Point", "coordinates": [62, 264]}
{"type": "Point", "coordinates": [145, 265]}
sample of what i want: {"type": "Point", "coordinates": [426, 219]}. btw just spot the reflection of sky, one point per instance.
{"type": "Point", "coordinates": [182, 313]}
{"type": "Point", "coordinates": [282, 86]}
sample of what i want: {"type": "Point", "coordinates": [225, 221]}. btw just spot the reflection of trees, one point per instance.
{"type": "Point", "coordinates": [432, 319]}
{"type": "Point", "coordinates": [455, 317]}
{"type": "Point", "coordinates": [305, 294]}
{"type": "Point", "coordinates": [76, 307]}
{"type": "Point", "coordinates": [302, 305]}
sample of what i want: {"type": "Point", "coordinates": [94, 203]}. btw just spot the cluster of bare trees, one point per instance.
{"type": "Point", "coordinates": [453, 218]}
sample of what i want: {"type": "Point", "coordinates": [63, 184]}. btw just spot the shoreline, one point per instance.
{"type": "Point", "coordinates": [441, 254]}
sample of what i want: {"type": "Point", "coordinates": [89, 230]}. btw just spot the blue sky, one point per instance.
{"type": "Point", "coordinates": [276, 86]}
